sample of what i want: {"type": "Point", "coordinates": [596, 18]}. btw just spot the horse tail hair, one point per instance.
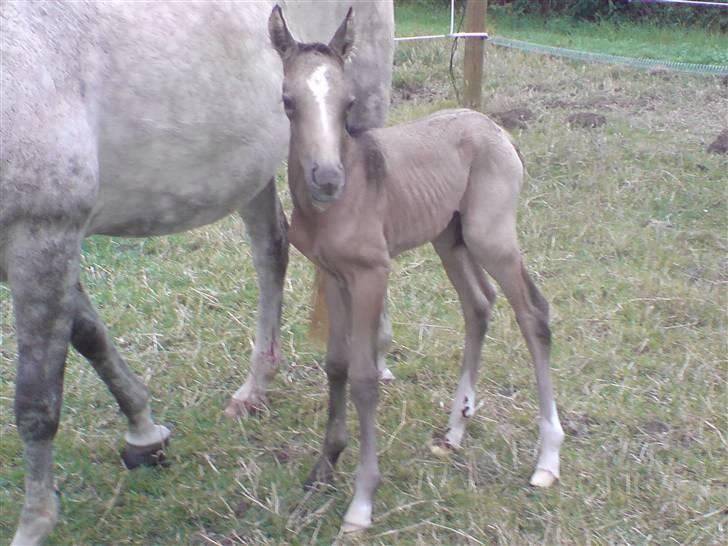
{"type": "Point", "coordinates": [318, 325]}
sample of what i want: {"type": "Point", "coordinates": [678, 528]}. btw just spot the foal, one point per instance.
{"type": "Point", "coordinates": [359, 200]}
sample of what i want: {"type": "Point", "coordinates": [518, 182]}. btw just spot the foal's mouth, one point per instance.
{"type": "Point", "coordinates": [322, 202]}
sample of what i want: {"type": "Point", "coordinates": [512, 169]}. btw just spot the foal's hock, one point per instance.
{"type": "Point", "coordinates": [451, 179]}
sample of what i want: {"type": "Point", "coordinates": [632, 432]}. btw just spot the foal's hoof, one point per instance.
{"type": "Point", "coordinates": [239, 409]}
{"type": "Point", "coordinates": [152, 455]}
{"type": "Point", "coordinates": [543, 478]}
{"type": "Point", "coordinates": [349, 528]}
{"type": "Point", "coordinates": [386, 377]}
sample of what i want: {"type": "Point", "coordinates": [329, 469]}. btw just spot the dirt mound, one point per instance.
{"type": "Point", "coordinates": [513, 119]}
{"type": "Point", "coordinates": [586, 120]}
{"type": "Point", "coordinates": [720, 144]}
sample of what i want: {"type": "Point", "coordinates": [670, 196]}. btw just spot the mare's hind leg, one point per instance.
{"type": "Point", "coordinates": [43, 265]}
{"type": "Point", "coordinates": [475, 294]}
{"type": "Point", "coordinates": [145, 441]}
{"type": "Point", "coordinates": [492, 240]}
{"type": "Point", "coordinates": [266, 227]}
{"type": "Point", "coordinates": [337, 370]}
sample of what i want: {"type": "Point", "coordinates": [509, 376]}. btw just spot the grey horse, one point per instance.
{"type": "Point", "coordinates": [139, 119]}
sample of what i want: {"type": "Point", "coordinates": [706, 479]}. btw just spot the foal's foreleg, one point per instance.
{"type": "Point", "coordinates": [145, 441]}
{"type": "Point", "coordinates": [266, 227]}
{"type": "Point", "coordinates": [473, 290]}
{"type": "Point", "coordinates": [364, 298]}
{"type": "Point", "coordinates": [337, 365]}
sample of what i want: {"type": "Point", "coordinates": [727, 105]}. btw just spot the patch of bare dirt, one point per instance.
{"type": "Point", "coordinates": [586, 120]}
{"type": "Point", "coordinates": [513, 119]}
{"type": "Point", "coordinates": [720, 144]}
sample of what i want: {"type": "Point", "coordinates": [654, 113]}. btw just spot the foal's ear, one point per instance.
{"type": "Point", "coordinates": [343, 41]}
{"type": "Point", "coordinates": [281, 38]}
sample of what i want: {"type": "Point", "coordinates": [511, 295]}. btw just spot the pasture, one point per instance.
{"type": "Point", "coordinates": [623, 227]}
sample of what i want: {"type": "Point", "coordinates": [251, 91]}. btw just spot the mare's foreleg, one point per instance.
{"type": "Point", "coordinates": [494, 245]}
{"type": "Point", "coordinates": [266, 227]}
{"type": "Point", "coordinates": [145, 441]}
{"type": "Point", "coordinates": [43, 265]}
{"type": "Point", "coordinates": [364, 297]}
{"type": "Point", "coordinates": [337, 368]}
{"type": "Point", "coordinates": [473, 290]}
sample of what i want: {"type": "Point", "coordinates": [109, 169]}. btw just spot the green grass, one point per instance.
{"type": "Point", "coordinates": [624, 230]}
{"type": "Point", "coordinates": [690, 44]}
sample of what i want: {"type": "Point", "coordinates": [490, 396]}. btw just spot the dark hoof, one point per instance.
{"type": "Point", "coordinates": [320, 478]}
{"type": "Point", "coordinates": [153, 455]}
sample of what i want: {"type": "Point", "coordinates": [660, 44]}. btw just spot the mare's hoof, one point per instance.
{"type": "Point", "coordinates": [440, 447]}
{"type": "Point", "coordinates": [152, 455]}
{"type": "Point", "coordinates": [543, 478]}
{"type": "Point", "coordinates": [239, 409]}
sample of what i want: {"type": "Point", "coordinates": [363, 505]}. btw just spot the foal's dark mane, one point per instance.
{"type": "Point", "coordinates": [318, 47]}
{"type": "Point", "coordinates": [375, 165]}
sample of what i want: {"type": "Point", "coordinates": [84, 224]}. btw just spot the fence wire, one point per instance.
{"type": "Point", "coordinates": [704, 69]}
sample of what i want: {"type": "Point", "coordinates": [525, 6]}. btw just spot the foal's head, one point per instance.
{"type": "Point", "coordinates": [316, 97]}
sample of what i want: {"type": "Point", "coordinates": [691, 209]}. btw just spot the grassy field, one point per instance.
{"type": "Point", "coordinates": [689, 44]}
{"type": "Point", "coordinates": [624, 229]}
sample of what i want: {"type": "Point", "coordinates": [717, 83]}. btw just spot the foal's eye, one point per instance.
{"type": "Point", "coordinates": [288, 105]}
{"type": "Point", "coordinates": [350, 103]}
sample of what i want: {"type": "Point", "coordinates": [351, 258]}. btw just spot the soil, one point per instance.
{"type": "Point", "coordinates": [513, 119]}
{"type": "Point", "coordinates": [720, 144]}
{"type": "Point", "coordinates": [586, 120]}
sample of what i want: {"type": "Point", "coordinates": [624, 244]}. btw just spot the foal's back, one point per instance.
{"type": "Point", "coordinates": [450, 162]}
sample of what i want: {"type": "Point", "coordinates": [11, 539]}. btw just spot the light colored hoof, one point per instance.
{"type": "Point", "coordinates": [441, 450]}
{"type": "Point", "coordinates": [240, 409]}
{"type": "Point", "coordinates": [543, 478]}
{"type": "Point", "coordinates": [386, 376]}
{"type": "Point", "coordinates": [349, 528]}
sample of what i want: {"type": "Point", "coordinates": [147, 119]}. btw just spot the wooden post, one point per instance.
{"type": "Point", "coordinates": [475, 11]}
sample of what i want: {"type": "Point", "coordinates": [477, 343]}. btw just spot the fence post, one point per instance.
{"type": "Point", "coordinates": [475, 11]}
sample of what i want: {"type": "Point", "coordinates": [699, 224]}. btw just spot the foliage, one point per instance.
{"type": "Point", "coordinates": [711, 18]}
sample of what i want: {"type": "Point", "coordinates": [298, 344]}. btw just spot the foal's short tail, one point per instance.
{"type": "Point", "coordinates": [318, 326]}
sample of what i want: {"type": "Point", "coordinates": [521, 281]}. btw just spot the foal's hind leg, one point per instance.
{"type": "Point", "coordinates": [266, 228]}
{"type": "Point", "coordinates": [145, 441]}
{"type": "Point", "coordinates": [475, 294]}
{"type": "Point", "coordinates": [492, 240]}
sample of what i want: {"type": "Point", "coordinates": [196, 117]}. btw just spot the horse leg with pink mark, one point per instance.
{"type": "Point", "coordinates": [266, 228]}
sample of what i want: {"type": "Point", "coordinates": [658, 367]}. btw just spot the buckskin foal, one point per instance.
{"type": "Point", "coordinates": [359, 200]}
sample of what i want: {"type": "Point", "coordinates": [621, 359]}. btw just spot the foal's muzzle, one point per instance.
{"type": "Point", "coordinates": [327, 182]}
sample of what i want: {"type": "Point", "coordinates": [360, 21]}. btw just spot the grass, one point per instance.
{"type": "Point", "coordinates": [690, 44]}
{"type": "Point", "coordinates": [624, 230]}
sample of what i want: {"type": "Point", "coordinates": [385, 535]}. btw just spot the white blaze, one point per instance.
{"type": "Point", "coordinates": [319, 86]}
